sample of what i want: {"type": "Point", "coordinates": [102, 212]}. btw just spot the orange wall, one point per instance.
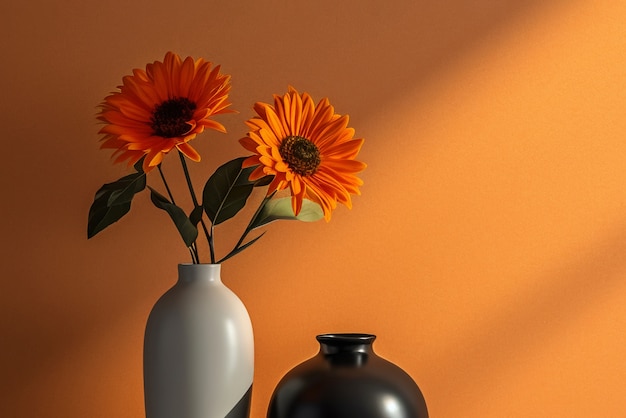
{"type": "Point", "coordinates": [487, 251]}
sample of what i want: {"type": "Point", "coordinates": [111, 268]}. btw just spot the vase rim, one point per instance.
{"type": "Point", "coordinates": [346, 338]}
{"type": "Point", "coordinates": [199, 264]}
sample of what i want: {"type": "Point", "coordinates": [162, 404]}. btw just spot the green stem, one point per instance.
{"type": "Point", "coordinates": [167, 187]}
{"type": "Point", "coordinates": [193, 249]}
{"type": "Point", "coordinates": [194, 199]}
{"type": "Point", "coordinates": [248, 228]}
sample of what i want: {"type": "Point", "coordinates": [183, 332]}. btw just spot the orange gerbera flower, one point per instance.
{"type": "Point", "coordinates": [162, 108]}
{"type": "Point", "coordinates": [306, 147]}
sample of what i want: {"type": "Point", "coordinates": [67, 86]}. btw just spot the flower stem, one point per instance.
{"type": "Point", "coordinates": [167, 187]}
{"type": "Point", "coordinates": [193, 249]}
{"type": "Point", "coordinates": [194, 199]}
{"type": "Point", "coordinates": [240, 244]}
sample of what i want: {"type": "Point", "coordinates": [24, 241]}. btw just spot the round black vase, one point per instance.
{"type": "Point", "coordinates": [346, 379]}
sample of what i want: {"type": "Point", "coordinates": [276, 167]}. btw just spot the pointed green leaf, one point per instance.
{"type": "Point", "coordinates": [196, 215]}
{"type": "Point", "coordinates": [102, 216]}
{"type": "Point", "coordinates": [139, 165]}
{"type": "Point", "coordinates": [126, 188]}
{"type": "Point", "coordinates": [241, 248]}
{"type": "Point", "coordinates": [187, 230]}
{"type": "Point", "coordinates": [281, 209]}
{"type": "Point", "coordinates": [112, 201]}
{"type": "Point", "coordinates": [227, 190]}
{"type": "Point", "coordinates": [263, 181]}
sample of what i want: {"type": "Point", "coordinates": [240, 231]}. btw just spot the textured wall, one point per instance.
{"type": "Point", "coordinates": [487, 251]}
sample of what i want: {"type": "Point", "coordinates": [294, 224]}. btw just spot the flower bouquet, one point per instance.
{"type": "Point", "coordinates": [296, 145]}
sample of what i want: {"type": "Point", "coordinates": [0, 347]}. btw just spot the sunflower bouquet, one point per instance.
{"type": "Point", "coordinates": [295, 145]}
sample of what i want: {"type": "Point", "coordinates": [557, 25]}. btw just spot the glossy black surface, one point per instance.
{"type": "Point", "coordinates": [346, 379]}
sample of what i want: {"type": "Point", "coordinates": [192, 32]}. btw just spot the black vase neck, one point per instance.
{"type": "Point", "coordinates": [345, 343]}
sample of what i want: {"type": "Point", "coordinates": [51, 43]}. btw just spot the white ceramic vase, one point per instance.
{"type": "Point", "coordinates": [198, 349]}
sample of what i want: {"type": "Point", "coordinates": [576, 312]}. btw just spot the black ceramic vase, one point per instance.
{"type": "Point", "coordinates": [346, 379]}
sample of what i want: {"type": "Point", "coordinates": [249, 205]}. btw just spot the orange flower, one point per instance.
{"type": "Point", "coordinates": [306, 147]}
{"type": "Point", "coordinates": [162, 108]}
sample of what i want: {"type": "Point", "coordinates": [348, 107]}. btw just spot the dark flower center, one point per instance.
{"type": "Point", "coordinates": [302, 155]}
{"type": "Point", "coordinates": [169, 119]}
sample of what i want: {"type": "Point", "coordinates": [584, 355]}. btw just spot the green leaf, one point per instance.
{"type": "Point", "coordinates": [139, 165]}
{"type": "Point", "coordinates": [227, 190]}
{"type": "Point", "coordinates": [187, 230]}
{"type": "Point", "coordinates": [241, 248]}
{"type": "Point", "coordinates": [112, 201]}
{"type": "Point", "coordinates": [263, 181]}
{"type": "Point", "coordinates": [196, 215]}
{"type": "Point", "coordinates": [281, 209]}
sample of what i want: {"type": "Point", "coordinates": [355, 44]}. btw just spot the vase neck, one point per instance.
{"type": "Point", "coordinates": [188, 273]}
{"type": "Point", "coordinates": [345, 343]}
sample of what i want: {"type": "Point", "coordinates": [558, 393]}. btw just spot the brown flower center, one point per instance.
{"type": "Point", "coordinates": [169, 119]}
{"type": "Point", "coordinates": [302, 155]}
